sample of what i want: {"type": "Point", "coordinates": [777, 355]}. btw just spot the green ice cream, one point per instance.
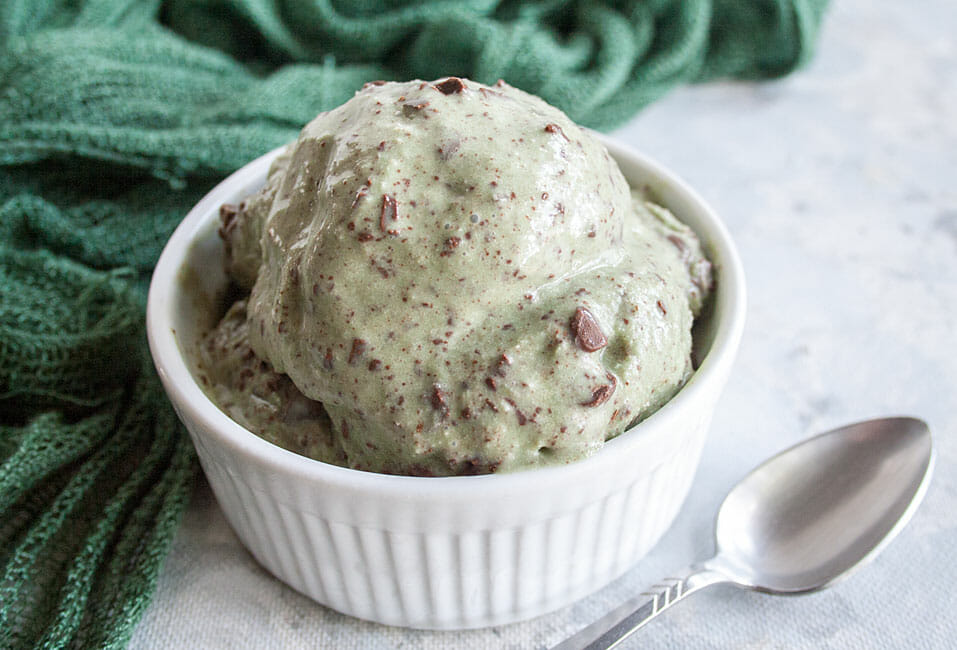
{"type": "Point", "coordinates": [464, 281]}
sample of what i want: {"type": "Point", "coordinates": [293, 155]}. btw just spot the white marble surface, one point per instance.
{"type": "Point", "coordinates": [839, 184]}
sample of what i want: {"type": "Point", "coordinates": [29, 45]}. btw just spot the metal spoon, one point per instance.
{"type": "Point", "coordinates": [798, 523]}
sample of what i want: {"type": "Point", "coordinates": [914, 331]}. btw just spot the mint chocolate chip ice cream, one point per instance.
{"type": "Point", "coordinates": [450, 278]}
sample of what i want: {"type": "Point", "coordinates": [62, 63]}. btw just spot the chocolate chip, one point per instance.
{"type": "Point", "coordinates": [358, 349]}
{"type": "Point", "coordinates": [450, 86]}
{"type": "Point", "coordinates": [588, 334]}
{"type": "Point", "coordinates": [389, 212]}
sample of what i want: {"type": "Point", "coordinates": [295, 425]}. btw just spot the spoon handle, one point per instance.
{"type": "Point", "coordinates": [614, 627]}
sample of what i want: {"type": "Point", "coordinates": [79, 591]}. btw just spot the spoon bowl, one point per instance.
{"type": "Point", "coordinates": [811, 514]}
{"type": "Point", "coordinates": [799, 522]}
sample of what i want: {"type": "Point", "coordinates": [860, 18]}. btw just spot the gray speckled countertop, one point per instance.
{"type": "Point", "coordinates": [839, 184]}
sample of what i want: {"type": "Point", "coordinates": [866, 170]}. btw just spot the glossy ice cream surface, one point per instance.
{"type": "Point", "coordinates": [461, 278]}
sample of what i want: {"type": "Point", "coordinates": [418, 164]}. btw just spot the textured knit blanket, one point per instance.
{"type": "Point", "coordinates": [117, 115]}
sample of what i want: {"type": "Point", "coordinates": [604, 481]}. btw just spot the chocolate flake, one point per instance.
{"type": "Point", "coordinates": [522, 419]}
{"type": "Point", "coordinates": [327, 361]}
{"type": "Point", "coordinates": [554, 128]}
{"type": "Point", "coordinates": [358, 349]}
{"type": "Point", "coordinates": [450, 86]}
{"type": "Point", "coordinates": [409, 110]}
{"type": "Point", "coordinates": [420, 470]}
{"type": "Point", "coordinates": [490, 382]}
{"type": "Point", "coordinates": [375, 364]}
{"type": "Point", "coordinates": [362, 191]}
{"type": "Point", "coordinates": [588, 334]}
{"type": "Point", "coordinates": [450, 245]}
{"type": "Point", "coordinates": [384, 272]}
{"type": "Point", "coordinates": [486, 92]}
{"type": "Point", "coordinates": [680, 244]}
{"type": "Point", "coordinates": [389, 212]}
{"type": "Point", "coordinates": [439, 400]}
{"type": "Point", "coordinates": [601, 394]}
{"type": "Point", "coordinates": [365, 236]}
{"type": "Point", "coordinates": [501, 365]}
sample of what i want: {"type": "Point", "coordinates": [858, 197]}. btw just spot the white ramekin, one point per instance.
{"type": "Point", "coordinates": [443, 553]}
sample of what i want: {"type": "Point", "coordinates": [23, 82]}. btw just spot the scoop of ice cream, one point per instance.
{"type": "Point", "coordinates": [258, 397]}
{"type": "Point", "coordinates": [464, 280]}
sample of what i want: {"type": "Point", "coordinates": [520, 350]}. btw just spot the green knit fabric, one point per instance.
{"type": "Point", "coordinates": [117, 115]}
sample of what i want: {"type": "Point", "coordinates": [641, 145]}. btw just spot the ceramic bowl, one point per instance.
{"type": "Point", "coordinates": [451, 552]}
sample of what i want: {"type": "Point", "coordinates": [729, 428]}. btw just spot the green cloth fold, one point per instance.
{"type": "Point", "coordinates": [117, 115]}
